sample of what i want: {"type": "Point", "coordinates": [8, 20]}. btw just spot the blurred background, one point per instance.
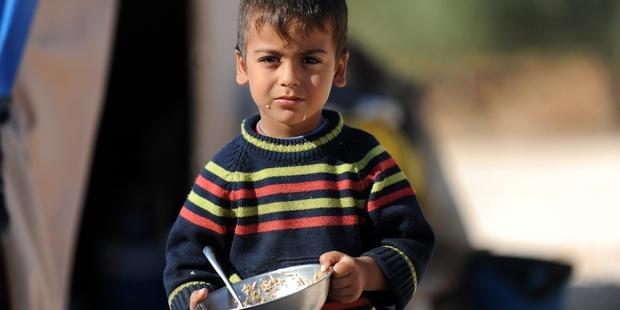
{"type": "Point", "coordinates": [505, 115]}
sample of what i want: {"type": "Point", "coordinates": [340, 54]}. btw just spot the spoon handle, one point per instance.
{"type": "Point", "coordinates": [208, 252]}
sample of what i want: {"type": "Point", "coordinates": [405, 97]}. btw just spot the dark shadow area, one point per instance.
{"type": "Point", "coordinates": [492, 281]}
{"type": "Point", "coordinates": [140, 172]}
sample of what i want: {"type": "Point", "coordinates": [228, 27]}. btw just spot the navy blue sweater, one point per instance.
{"type": "Point", "coordinates": [264, 203]}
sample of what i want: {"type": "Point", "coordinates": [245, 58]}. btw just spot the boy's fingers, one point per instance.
{"type": "Point", "coordinates": [340, 283]}
{"type": "Point", "coordinates": [329, 259]}
{"type": "Point", "coordinates": [196, 297]}
{"type": "Point", "coordinates": [344, 267]}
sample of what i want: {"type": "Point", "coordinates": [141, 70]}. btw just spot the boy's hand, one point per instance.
{"type": "Point", "coordinates": [351, 276]}
{"type": "Point", "coordinates": [196, 297]}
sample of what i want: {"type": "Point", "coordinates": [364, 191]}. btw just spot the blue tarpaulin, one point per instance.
{"type": "Point", "coordinates": [15, 19]}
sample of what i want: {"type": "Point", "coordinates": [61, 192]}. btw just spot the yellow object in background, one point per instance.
{"type": "Point", "coordinates": [400, 147]}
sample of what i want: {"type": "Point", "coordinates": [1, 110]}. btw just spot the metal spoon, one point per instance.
{"type": "Point", "coordinates": [208, 252]}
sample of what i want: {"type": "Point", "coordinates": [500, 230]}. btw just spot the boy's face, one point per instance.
{"type": "Point", "coordinates": [290, 81]}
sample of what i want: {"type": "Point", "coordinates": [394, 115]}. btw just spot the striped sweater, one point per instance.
{"type": "Point", "coordinates": [264, 203]}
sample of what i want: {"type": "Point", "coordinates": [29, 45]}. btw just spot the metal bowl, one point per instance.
{"type": "Point", "coordinates": [300, 287]}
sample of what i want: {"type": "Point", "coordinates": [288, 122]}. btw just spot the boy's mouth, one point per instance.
{"type": "Point", "coordinates": [288, 100]}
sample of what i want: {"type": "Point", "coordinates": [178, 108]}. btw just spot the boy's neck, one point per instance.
{"type": "Point", "coordinates": [284, 131]}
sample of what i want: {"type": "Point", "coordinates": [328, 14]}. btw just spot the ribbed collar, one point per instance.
{"type": "Point", "coordinates": [295, 149]}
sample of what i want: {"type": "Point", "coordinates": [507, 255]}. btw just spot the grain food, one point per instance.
{"type": "Point", "coordinates": [275, 286]}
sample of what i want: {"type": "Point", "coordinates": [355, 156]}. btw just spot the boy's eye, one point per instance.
{"type": "Point", "coordinates": [268, 59]}
{"type": "Point", "coordinates": [311, 60]}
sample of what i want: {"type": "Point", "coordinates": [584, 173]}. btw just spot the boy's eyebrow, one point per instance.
{"type": "Point", "coordinates": [275, 52]}
{"type": "Point", "coordinates": [266, 51]}
{"type": "Point", "coordinates": [315, 50]}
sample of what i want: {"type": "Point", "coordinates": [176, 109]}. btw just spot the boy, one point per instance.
{"type": "Point", "coordinates": [298, 186]}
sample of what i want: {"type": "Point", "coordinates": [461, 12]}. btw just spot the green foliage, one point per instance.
{"type": "Point", "coordinates": [404, 30]}
{"type": "Point", "coordinates": [408, 32]}
{"type": "Point", "coordinates": [554, 24]}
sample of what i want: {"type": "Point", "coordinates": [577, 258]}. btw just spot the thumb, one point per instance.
{"type": "Point", "coordinates": [197, 296]}
{"type": "Point", "coordinates": [329, 259]}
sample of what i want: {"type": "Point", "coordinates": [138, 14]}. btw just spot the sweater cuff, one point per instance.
{"type": "Point", "coordinates": [399, 272]}
{"type": "Point", "coordinates": [179, 298]}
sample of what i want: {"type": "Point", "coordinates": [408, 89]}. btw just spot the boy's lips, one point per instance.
{"type": "Point", "coordinates": [288, 100]}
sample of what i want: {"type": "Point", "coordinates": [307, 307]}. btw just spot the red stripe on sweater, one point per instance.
{"type": "Point", "coordinates": [299, 223]}
{"type": "Point", "coordinates": [378, 203]}
{"type": "Point", "coordinates": [295, 188]}
{"type": "Point", "coordinates": [202, 221]}
{"type": "Point", "coordinates": [211, 187]}
{"type": "Point", "coordinates": [278, 188]}
{"type": "Point", "coordinates": [379, 168]}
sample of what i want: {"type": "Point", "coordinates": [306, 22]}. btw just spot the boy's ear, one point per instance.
{"type": "Point", "coordinates": [242, 73]}
{"type": "Point", "coordinates": [340, 77]}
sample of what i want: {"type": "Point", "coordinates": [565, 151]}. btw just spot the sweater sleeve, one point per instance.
{"type": "Point", "coordinates": [406, 240]}
{"type": "Point", "coordinates": [203, 220]}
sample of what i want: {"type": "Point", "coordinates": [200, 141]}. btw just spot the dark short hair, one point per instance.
{"type": "Point", "coordinates": [300, 16]}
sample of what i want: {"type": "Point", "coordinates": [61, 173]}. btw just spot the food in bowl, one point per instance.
{"type": "Point", "coordinates": [274, 286]}
{"type": "Point", "coordinates": [302, 287]}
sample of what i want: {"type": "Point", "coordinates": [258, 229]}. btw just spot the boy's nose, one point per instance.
{"type": "Point", "coordinates": [289, 76]}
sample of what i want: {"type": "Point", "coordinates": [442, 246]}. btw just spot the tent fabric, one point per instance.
{"type": "Point", "coordinates": [48, 143]}
{"type": "Point", "coordinates": [215, 92]}
{"type": "Point", "coordinates": [15, 19]}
